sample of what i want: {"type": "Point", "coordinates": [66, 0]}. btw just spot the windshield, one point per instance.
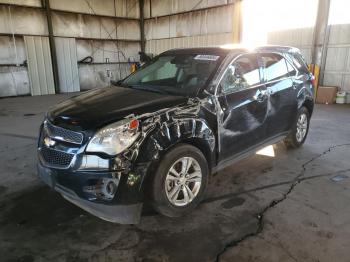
{"type": "Point", "coordinates": [182, 74]}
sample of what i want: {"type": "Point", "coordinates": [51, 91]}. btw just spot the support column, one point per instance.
{"type": "Point", "coordinates": [237, 22]}
{"type": "Point", "coordinates": [321, 37]}
{"type": "Point", "coordinates": [142, 25]}
{"type": "Point", "coordinates": [46, 5]}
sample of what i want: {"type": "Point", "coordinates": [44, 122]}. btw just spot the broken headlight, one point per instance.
{"type": "Point", "coordinates": [115, 138]}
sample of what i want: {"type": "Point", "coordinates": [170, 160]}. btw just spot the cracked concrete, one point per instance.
{"type": "Point", "coordinates": [282, 208]}
{"type": "Point", "coordinates": [274, 202]}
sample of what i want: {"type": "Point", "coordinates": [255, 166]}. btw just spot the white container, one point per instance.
{"type": "Point", "coordinates": [341, 98]}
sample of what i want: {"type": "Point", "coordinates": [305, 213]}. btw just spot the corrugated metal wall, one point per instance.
{"type": "Point", "coordinates": [110, 34]}
{"type": "Point", "coordinates": [22, 20]}
{"type": "Point", "coordinates": [107, 32]}
{"type": "Point", "coordinates": [337, 68]}
{"type": "Point", "coordinates": [23, 2]}
{"type": "Point", "coordinates": [39, 65]}
{"type": "Point", "coordinates": [119, 8]}
{"type": "Point", "coordinates": [337, 62]}
{"type": "Point", "coordinates": [13, 74]}
{"type": "Point", "coordinates": [301, 38]}
{"type": "Point", "coordinates": [102, 29]}
{"type": "Point", "coordinates": [155, 8]}
{"type": "Point", "coordinates": [192, 23]}
{"type": "Point", "coordinates": [160, 45]}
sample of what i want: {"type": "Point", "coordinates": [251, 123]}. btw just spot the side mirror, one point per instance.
{"type": "Point", "coordinates": [210, 89]}
{"type": "Point", "coordinates": [206, 92]}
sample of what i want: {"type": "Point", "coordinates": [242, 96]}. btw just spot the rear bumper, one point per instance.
{"type": "Point", "coordinates": [125, 208]}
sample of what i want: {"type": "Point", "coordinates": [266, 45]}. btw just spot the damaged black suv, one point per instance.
{"type": "Point", "coordinates": [157, 135]}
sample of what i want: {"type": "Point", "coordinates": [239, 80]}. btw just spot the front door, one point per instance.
{"type": "Point", "coordinates": [244, 103]}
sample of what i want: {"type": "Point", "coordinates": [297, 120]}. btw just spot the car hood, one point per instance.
{"type": "Point", "coordinates": [99, 107]}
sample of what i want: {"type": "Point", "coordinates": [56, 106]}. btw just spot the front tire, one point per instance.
{"type": "Point", "coordinates": [299, 130]}
{"type": "Point", "coordinates": [180, 181]}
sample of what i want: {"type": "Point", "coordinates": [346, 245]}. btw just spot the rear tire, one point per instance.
{"type": "Point", "coordinates": [300, 129]}
{"type": "Point", "coordinates": [180, 181]}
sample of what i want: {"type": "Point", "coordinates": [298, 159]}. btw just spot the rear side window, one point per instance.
{"type": "Point", "coordinates": [241, 74]}
{"type": "Point", "coordinates": [275, 67]}
{"type": "Point", "coordinates": [299, 63]}
{"type": "Point", "coordinates": [291, 69]}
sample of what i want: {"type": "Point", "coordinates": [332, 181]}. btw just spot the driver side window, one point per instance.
{"type": "Point", "coordinates": [241, 74]}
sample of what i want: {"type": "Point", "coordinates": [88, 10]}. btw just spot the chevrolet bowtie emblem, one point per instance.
{"type": "Point", "coordinates": [49, 142]}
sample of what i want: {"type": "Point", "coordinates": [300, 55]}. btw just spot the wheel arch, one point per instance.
{"type": "Point", "coordinates": [203, 147]}
{"type": "Point", "coordinates": [309, 104]}
{"type": "Point", "coordinates": [190, 131]}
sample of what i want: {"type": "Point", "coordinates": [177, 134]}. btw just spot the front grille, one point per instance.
{"type": "Point", "coordinates": [56, 158]}
{"type": "Point", "coordinates": [62, 134]}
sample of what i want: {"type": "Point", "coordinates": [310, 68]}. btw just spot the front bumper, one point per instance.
{"type": "Point", "coordinates": [122, 214]}
{"type": "Point", "coordinates": [124, 208]}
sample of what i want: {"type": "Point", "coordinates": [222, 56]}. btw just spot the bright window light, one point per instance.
{"type": "Point", "coordinates": [261, 17]}
{"type": "Point", "coordinates": [339, 12]}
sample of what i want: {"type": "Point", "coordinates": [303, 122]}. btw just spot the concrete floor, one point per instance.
{"type": "Point", "coordinates": [290, 207]}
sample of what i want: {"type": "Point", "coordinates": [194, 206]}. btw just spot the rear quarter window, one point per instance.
{"type": "Point", "coordinates": [275, 67]}
{"type": "Point", "coordinates": [299, 62]}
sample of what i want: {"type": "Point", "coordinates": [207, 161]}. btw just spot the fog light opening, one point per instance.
{"type": "Point", "coordinates": [104, 189]}
{"type": "Point", "coordinates": [111, 188]}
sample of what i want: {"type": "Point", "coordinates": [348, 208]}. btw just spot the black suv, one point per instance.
{"type": "Point", "coordinates": [157, 135]}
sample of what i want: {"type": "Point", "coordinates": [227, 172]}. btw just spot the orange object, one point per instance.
{"type": "Point", "coordinates": [133, 68]}
{"type": "Point", "coordinates": [134, 124]}
{"type": "Point", "coordinates": [315, 70]}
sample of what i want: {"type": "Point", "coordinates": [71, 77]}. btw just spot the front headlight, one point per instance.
{"type": "Point", "coordinates": [115, 138]}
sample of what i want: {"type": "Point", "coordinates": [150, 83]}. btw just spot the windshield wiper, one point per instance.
{"type": "Point", "coordinates": [146, 88]}
{"type": "Point", "coordinates": [120, 83]}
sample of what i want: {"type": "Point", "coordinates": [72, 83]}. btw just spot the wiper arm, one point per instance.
{"type": "Point", "coordinates": [148, 88]}
{"type": "Point", "coordinates": [120, 83]}
{"type": "Point", "coordinates": [137, 87]}
{"type": "Point", "coordinates": [116, 83]}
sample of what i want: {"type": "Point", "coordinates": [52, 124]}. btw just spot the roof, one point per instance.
{"type": "Point", "coordinates": [278, 48]}
{"type": "Point", "coordinates": [204, 50]}
{"type": "Point", "coordinates": [234, 49]}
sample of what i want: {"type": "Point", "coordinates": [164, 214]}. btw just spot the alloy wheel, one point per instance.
{"type": "Point", "coordinates": [302, 125]}
{"type": "Point", "coordinates": [183, 181]}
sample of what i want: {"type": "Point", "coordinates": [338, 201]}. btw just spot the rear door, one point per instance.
{"type": "Point", "coordinates": [282, 92]}
{"type": "Point", "coordinates": [244, 103]}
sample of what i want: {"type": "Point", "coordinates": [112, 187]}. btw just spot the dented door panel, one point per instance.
{"type": "Point", "coordinates": [243, 121]}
